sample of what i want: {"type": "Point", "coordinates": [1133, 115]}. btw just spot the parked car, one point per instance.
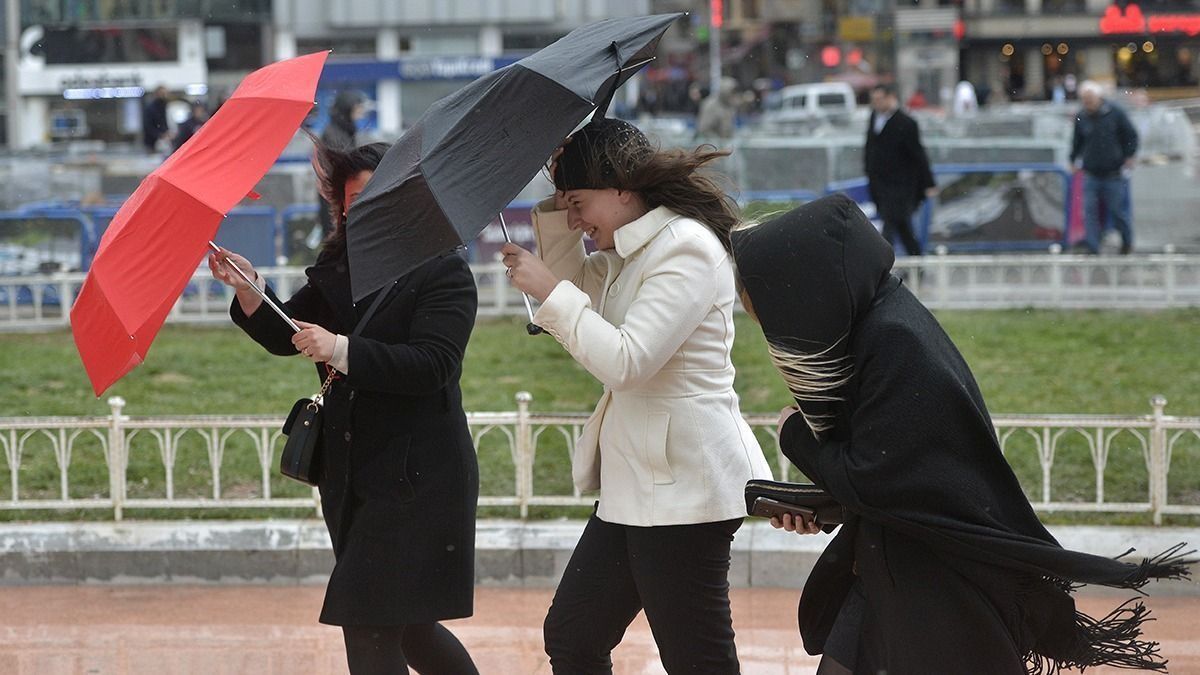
{"type": "Point", "coordinates": [809, 103]}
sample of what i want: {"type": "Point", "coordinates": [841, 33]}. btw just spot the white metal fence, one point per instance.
{"type": "Point", "coordinates": [1139, 464]}
{"type": "Point", "coordinates": [941, 281]}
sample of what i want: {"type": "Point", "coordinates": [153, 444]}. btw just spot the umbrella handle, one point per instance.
{"type": "Point", "coordinates": [531, 327]}
{"type": "Point", "coordinates": [261, 293]}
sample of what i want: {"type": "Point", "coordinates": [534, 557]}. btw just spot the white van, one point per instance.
{"type": "Point", "coordinates": [810, 102]}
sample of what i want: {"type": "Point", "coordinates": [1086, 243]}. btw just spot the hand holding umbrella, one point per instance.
{"type": "Point", "coordinates": [528, 273]}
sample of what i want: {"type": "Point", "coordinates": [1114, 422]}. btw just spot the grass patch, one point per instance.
{"type": "Point", "coordinates": [1025, 361]}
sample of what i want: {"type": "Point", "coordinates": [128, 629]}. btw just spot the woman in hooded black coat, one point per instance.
{"type": "Point", "coordinates": [399, 481]}
{"type": "Point", "coordinates": [942, 565]}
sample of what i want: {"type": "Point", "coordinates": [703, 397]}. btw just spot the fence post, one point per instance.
{"type": "Point", "coordinates": [116, 455]}
{"type": "Point", "coordinates": [524, 453]}
{"type": "Point", "coordinates": [500, 289]}
{"type": "Point", "coordinates": [1169, 273]}
{"type": "Point", "coordinates": [943, 278]}
{"type": "Point", "coordinates": [1158, 459]}
{"type": "Point", "coordinates": [1056, 276]}
{"type": "Point", "coordinates": [65, 300]}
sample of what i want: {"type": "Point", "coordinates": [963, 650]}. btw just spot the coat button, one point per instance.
{"type": "Point", "coordinates": [614, 289]}
{"type": "Point", "coordinates": [347, 436]}
{"type": "Point", "coordinates": [352, 395]}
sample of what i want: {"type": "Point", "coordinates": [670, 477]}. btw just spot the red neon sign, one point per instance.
{"type": "Point", "coordinates": [1116, 22]}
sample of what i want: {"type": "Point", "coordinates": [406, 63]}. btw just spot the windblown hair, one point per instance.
{"type": "Point", "coordinates": [811, 377]}
{"type": "Point", "coordinates": [677, 179]}
{"type": "Point", "coordinates": [336, 167]}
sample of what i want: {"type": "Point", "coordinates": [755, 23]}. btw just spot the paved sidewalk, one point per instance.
{"type": "Point", "coordinates": [214, 630]}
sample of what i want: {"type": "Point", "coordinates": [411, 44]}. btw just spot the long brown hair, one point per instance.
{"type": "Point", "coordinates": [334, 167]}
{"type": "Point", "coordinates": [680, 180]}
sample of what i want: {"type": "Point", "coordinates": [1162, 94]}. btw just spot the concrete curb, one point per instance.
{"type": "Point", "coordinates": [508, 553]}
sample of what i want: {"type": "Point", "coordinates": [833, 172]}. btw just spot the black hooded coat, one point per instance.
{"type": "Point", "coordinates": [954, 570]}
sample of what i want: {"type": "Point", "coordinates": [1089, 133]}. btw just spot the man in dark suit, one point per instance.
{"type": "Point", "coordinates": [898, 174]}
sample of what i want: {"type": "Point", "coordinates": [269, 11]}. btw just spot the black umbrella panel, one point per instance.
{"type": "Point", "coordinates": [472, 152]}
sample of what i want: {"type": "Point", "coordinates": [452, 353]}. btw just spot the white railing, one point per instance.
{"type": "Point", "coordinates": [1066, 463]}
{"type": "Point", "coordinates": [943, 282]}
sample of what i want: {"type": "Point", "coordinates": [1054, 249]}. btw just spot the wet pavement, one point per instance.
{"type": "Point", "coordinates": [176, 630]}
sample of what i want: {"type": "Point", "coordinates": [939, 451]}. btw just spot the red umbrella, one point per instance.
{"type": "Point", "coordinates": [159, 237]}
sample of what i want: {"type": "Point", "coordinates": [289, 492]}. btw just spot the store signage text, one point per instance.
{"type": "Point", "coordinates": [1133, 21]}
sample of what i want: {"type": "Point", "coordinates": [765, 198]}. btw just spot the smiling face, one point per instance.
{"type": "Point", "coordinates": [354, 186]}
{"type": "Point", "coordinates": [600, 213]}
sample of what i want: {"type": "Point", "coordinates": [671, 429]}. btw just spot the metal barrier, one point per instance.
{"type": "Point", "coordinates": [135, 462]}
{"type": "Point", "coordinates": [1054, 281]}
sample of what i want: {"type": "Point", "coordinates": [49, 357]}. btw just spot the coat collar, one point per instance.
{"type": "Point", "coordinates": [331, 276]}
{"type": "Point", "coordinates": [632, 237]}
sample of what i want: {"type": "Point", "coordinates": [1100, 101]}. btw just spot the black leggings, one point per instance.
{"type": "Point", "coordinates": [386, 650]}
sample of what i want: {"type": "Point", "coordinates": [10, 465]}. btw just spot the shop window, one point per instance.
{"type": "Point", "coordinates": [344, 45]}
{"type": "Point", "coordinates": [71, 45]}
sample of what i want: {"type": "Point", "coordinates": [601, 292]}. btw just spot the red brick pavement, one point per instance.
{"type": "Point", "coordinates": [214, 630]}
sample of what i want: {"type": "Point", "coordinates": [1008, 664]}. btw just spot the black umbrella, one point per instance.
{"type": "Point", "coordinates": [473, 151]}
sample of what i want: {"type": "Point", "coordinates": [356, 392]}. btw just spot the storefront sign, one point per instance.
{"type": "Point", "coordinates": [1133, 21]}
{"type": "Point", "coordinates": [856, 28]}
{"type": "Point", "coordinates": [413, 69]}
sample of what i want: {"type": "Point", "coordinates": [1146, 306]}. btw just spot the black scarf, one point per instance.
{"type": "Point", "coordinates": [912, 447]}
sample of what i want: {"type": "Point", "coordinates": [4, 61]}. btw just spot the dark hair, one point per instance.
{"type": "Point", "coordinates": [671, 178]}
{"type": "Point", "coordinates": [338, 166]}
{"type": "Point", "coordinates": [886, 89]}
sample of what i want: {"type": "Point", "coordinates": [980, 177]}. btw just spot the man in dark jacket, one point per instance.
{"type": "Point", "coordinates": [340, 134]}
{"type": "Point", "coordinates": [1103, 148]}
{"type": "Point", "coordinates": [898, 173]}
{"type": "Point", "coordinates": [154, 120]}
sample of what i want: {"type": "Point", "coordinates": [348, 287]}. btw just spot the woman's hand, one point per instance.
{"type": "Point", "coordinates": [218, 264]}
{"type": "Point", "coordinates": [784, 415]}
{"type": "Point", "coordinates": [528, 273]}
{"type": "Point", "coordinates": [314, 342]}
{"type": "Point", "coordinates": [797, 525]}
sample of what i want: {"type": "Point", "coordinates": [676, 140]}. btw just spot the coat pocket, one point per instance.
{"type": "Point", "coordinates": [397, 458]}
{"type": "Point", "coordinates": [657, 426]}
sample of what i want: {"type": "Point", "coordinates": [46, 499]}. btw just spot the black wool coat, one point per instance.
{"type": "Point", "coordinates": [895, 162]}
{"type": "Point", "coordinates": [957, 573]}
{"type": "Point", "coordinates": [399, 482]}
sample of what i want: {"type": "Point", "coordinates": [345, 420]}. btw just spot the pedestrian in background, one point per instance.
{"type": "Point", "coordinates": [154, 120]}
{"type": "Point", "coordinates": [650, 315]}
{"type": "Point", "coordinates": [190, 126]}
{"type": "Point", "coordinates": [897, 168]}
{"type": "Point", "coordinates": [1103, 148]}
{"type": "Point", "coordinates": [399, 481]}
{"type": "Point", "coordinates": [340, 134]}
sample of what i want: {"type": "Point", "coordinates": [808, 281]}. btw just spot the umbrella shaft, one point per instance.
{"type": "Point", "coordinates": [261, 293]}
{"type": "Point", "coordinates": [525, 297]}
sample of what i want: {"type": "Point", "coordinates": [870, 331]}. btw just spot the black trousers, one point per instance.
{"type": "Point", "coordinates": [896, 211]}
{"type": "Point", "coordinates": [679, 574]}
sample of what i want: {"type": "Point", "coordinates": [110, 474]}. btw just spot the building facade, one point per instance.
{"type": "Point", "coordinates": [1030, 48]}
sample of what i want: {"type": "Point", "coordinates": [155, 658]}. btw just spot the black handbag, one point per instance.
{"type": "Point", "coordinates": [301, 459]}
{"type": "Point", "coordinates": [806, 496]}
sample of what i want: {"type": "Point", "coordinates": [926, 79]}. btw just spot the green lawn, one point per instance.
{"type": "Point", "coordinates": [1026, 362]}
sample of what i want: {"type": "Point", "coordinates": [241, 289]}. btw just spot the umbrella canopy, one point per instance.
{"type": "Point", "coordinates": [472, 152]}
{"type": "Point", "coordinates": [159, 236]}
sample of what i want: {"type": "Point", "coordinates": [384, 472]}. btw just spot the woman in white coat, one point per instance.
{"type": "Point", "coordinates": [649, 314]}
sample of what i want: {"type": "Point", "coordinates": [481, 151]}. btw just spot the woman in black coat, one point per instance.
{"type": "Point", "coordinates": [942, 565]}
{"type": "Point", "coordinates": [399, 482]}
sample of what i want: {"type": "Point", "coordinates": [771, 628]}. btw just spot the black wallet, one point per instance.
{"type": "Point", "coordinates": [804, 495]}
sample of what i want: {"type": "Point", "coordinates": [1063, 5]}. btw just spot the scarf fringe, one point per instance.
{"type": "Point", "coordinates": [1172, 563]}
{"type": "Point", "coordinates": [1111, 641]}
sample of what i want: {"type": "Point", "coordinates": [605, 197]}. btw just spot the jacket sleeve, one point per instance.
{"type": "Point", "coordinates": [921, 160]}
{"type": "Point", "coordinates": [441, 326]}
{"type": "Point", "coordinates": [563, 252]}
{"type": "Point", "coordinates": [1128, 135]}
{"type": "Point", "coordinates": [266, 328]}
{"type": "Point", "coordinates": [676, 293]}
{"type": "Point", "coordinates": [1076, 140]}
